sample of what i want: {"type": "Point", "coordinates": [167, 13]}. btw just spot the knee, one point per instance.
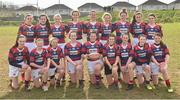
{"type": "Point", "coordinates": [130, 66]}
{"type": "Point", "coordinates": [79, 68]}
{"type": "Point", "coordinates": [15, 87]}
{"type": "Point", "coordinates": [114, 69]}
{"type": "Point", "coordinates": [28, 69]}
{"type": "Point", "coordinates": [148, 68]}
{"type": "Point", "coordinates": [162, 70]}
{"type": "Point", "coordinates": [97, 67]}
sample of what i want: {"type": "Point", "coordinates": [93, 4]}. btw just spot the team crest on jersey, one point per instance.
{"type": "Point", "coordinates": [73, 52]}
{"type": "Point", "coordinates": [111, 54]}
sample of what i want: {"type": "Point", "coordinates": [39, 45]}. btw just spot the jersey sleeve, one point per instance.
{"type": "Point", "coordinates": [11, 60]}
{"type": "Point", "coordinates": [104, 52]}
{"type": "Point", "coordinates": [20, 30]}
{"type": "Point", "coordinates": [66, 51]}
{"type": "Point", "coordinates": [166, 50]}
{"type": "Point", "coordinates": [32, 57]}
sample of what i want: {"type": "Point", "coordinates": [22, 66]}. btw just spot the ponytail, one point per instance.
{"type": "Point", "coordinates": [17, 38]}
{"type": "Point", "coordinates": [124, 10]}
{"type": "Point", "coordinates": [134, 16]}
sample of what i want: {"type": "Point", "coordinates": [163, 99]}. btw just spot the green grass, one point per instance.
{"type": "Point", "coordinates": [171, 38]}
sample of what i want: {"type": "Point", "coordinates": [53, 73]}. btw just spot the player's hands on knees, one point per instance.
{"type": "Point", "coordinates": [114, 65]}
{"type": "Point", "coordinates": [74, 63]}
{"type": "Point", "coordinates": [45, 69]}
{"type": "Point", "coordinates": [163, 65]}
{"type": "Point", "coordinates": [25, 66]}
{"type": "Point", "coordinates": [60, 67]}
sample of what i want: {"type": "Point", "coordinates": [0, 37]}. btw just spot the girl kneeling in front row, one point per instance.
{"type": "Point", "coordinates": [18, 62]}
{"type": "Point", "coordinates": [40, 62]}
{"type": "Point", "coordinates": [57, 63]}
{"type": "Point", "coordinates": [111, 59]}
{"type": "Point", "coordinates": [160, 60]}
{"type": "Point", "coordinates": [73, 53]}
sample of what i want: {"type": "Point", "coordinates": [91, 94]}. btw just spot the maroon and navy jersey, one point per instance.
{"type": "Point", "coordinates": [121, 28]}
{"type": "Point", "coordinates": [111, 52]}
{"type": "Point", "coordinates": [142, 54]}
{"type": "Point", "coordinates": [42, 32]}
{"type": "Point", "coordinates": [92, 27]}
{"type": "Point", "coordinates": [91, 48]}
{"type": "Point", "coordinates": [55, 54]}
{"type": "Point", "coordinates": [28, 31]}
{"type": "Point", "coordinates": [159, 52]}
{"type": "Point", "coordinates": [106, 30]}
{"type": "Point", "coordinates": [59, 33]}
{"type": "Point", "coordinates": [77, 27]}
{"type": "Point", "coordinates": [151, 30]}
{"type": "Point", "coordinates": [73, 51]}
{"type": "Point", "coordinates": [38, 58]}
{"type": "Point", "coordinates": [137, 29]}
{"type": "Point", "coordinates": [125, 51]}
{"type": "Point", "coordinates": [17, 56]}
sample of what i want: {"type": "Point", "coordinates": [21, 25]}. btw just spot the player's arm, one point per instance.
{"type": "Point", "coordinates": [11, 60]}
{"type": "Point", "coordinates": [70, 60]}
{"type": "Point", "coordinates": [117, 60]}
{"type": "Point", "coordinates": [154, 60]}
{"type": "Point", "coordinates": [107, 62]}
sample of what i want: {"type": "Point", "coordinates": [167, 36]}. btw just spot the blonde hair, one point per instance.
{"type": "Point", "coordinates": [105, 14]}
{"type": "Point", "coordinates": [57, 15]}
{"type": "Point", "coordinates": [52, 39]}
{"type": "Point", "coordinates": [39, 40]}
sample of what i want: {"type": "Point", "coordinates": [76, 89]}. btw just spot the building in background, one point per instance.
{"type": "Point", "coordinates": [153, 5]}
{"type": "Point", "coordinates": [87, 7]}
{"type": "Point", "coordinates": [174, 5]}
{"type": "Point", "coordinates": [122, 4]}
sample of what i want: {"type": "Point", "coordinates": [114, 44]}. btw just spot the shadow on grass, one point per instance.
{"type": "Point", "coordinates": [69, 91]}
{"type": "Point", "coordinates": [136, 93]}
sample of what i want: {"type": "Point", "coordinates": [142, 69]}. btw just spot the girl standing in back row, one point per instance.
{"type": "Point", "coordinates": [27, 29]}
{"type": "Point", "coordinates": [137, 27]}
{"type": "Point", "coordinates": [106, 27]}
{"type": "Point", "coordinates": [43, 29]}
{"type": "Point", "coordinates": [76, 26]}
{"type": "Point", "coordinates": [152, 28]}
{"type": "Point", "coordinates": [122, 26]}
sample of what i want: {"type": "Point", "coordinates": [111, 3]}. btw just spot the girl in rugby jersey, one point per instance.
{"type": "Point", "coordinates": [93, 50]}
{"type": "Point", "coordinates": [40, 63]}
{"type": "Point", "coordinates": [58, 30]}
{"type": "Point", "coordinates": [57, 65]}
{"type": "Point", "coordinates": [126, 56]}
{"type": "Point", "coordinates": [76, 25]}
{"type": "Point", "coordinates": [151, 28]}
{"type": "Point", "coordinates": [142, 56]}
{"type": "Point", "coordinates": [43, 29]}
{"type": "Point", "coordinates": [92, 25]}
{"type": "Point", "coordinates": [160, 58]}
{"type": "Point", "coordinates": [122, 26]}
{"type": "Point", "coordinates": [18, 59]}
{"type": "Point", "coordinates": [27, 29]}
{"type": "Point", "coordinates": [111, 63]}
{"type": "Point", "coordinates": [73, 53]}
{"type": "Point", "coordinates": [106, 27]}
{"type": "Point", "coordinates": [137, 27]}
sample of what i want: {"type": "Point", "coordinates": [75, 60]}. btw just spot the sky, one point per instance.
{"type": "Point", "coordinates": [74, 4]}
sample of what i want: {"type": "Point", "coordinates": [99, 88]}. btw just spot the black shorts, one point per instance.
{"type": "Point", "coordinates": [108, 71]}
